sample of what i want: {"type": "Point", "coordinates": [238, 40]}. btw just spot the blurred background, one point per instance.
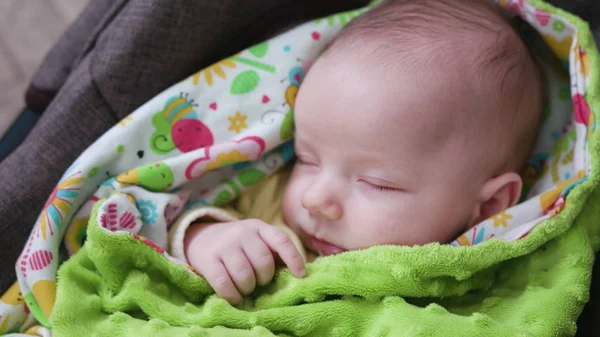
{"type": "Point", "coordinates": [28, 28]}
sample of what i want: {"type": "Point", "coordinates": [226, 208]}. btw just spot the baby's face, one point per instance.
{"type": "Point", "coordinates": [374, 166]}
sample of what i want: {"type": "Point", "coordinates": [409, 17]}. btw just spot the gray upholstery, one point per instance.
{"type": "Point", "coordinates": [114, 57]}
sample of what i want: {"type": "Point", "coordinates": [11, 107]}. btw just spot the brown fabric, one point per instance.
{"type": "Point", "coordinates": [37, 99]}
{"type": "Point", "coordinates": [68, 50]}
{"type": "Point", "coordinates": [130, 51]}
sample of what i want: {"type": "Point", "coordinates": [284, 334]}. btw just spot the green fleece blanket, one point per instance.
{"type": "Point", "coordinates": [118, 286]}
{"type": "Point", "coordinates": [525, 272]}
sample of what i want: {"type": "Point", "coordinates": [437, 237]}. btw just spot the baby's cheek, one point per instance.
{"type": "Point", "coordinates": [292, 209]}
{"type": "Point", "coordinates": [367, 225]}
{"type": "Point", "coordinates": [290, 203]}
{"type": "Point", "coordinates": [399, 222]}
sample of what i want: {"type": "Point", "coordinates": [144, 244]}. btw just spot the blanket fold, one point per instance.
{"type": "Point", "coordinates": [117, 285]}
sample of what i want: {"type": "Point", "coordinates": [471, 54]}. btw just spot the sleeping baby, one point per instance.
{"type": "Point", "coordinates": [411, 128]}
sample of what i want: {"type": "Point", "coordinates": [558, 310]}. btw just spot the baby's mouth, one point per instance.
{"type": "Point", "coordinates": [325, 248]}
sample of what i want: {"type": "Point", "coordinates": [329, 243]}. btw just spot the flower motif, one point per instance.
{"type": "Point", "coordinates": [501, 219]}
{"type": "Point", "coordinates": [76, 235]}
{"type": "Point", "coordinates": [224, 159]}
{"type": "Point", "coordinates": [237, 122]}
{"type": "Point", "coordinates": [148, 211]}
{"type": "Point", "coordinates": [217, 68]}
{"type": "Point", "coordinates": [197, 203]}
{"type": "Point", "coordinates": [59, 203]}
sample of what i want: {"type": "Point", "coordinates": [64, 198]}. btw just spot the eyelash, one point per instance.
{"type": "Point", "coordinates": [381, 188]}
{"type": "Point", "coordinates": [303, 161]}
{"type": "Point", "coordinates": [384, 188]}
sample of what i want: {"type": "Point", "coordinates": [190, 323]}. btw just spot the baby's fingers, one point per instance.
{"type": "Point", "coordinates": [280, 243]}
{"type": "Point", "coordinates": [219, 279]}
{"type": "Point", "coordinates": [240, 270]}
{"type": "Point", "coordinates": [261, 258]}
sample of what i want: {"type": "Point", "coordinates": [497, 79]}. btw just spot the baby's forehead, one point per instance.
{"type": "Point", "coordinates": [470, 43]}
{"type": "Point", "coordinates": [471, 66]}
{"type": "Point", "coordinates": [354, 104]}
{"type": "Point", "coordinates": [460, 33]}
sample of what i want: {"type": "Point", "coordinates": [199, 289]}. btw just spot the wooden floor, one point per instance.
{"type": "Point", "coordinates": [28, 28]}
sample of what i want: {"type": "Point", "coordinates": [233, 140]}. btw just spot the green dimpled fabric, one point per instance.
{"type": "Point", "coordinates": [532, 285]}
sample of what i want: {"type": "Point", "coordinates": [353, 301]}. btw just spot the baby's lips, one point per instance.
{"type": "Point", "coordinates": [325, 248]}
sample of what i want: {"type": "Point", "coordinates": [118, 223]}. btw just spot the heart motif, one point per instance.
{"type": "Point", "coordinates": [265, 99]}
{"type": "Point", "coordinates": [316, 36]}
{"type": "Point", "coordinates": [213, 106]}
{"type": "Point", "coordinates": [297, 78]}
{"type": "Point", "coordinates": [542, 17]}
{"type": "Point", "coordinates": [140, 154]}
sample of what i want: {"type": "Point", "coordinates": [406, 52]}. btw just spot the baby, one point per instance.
{"type": "Point", "coordinates": [411, 128]}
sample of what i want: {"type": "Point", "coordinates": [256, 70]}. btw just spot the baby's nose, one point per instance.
{"type": "Point", "coordinates": [330, 212]}
{"type": "Point", "coordinates": [322, 202]}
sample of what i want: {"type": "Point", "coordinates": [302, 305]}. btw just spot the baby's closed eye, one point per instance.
{"type": "Point", "coordinates": [380, 186]}
{"type": "Point", "coordinates": [305, 160]}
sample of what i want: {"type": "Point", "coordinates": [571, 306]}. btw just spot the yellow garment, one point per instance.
{"type": "Point", "coordinates": [262, 202]}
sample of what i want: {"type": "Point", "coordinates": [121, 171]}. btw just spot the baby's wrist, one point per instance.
{"type": "Point", "coordinates": [191, 235]}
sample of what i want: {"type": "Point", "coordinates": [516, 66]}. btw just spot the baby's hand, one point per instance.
{"type": "Point", "coordinates": [236, 256]}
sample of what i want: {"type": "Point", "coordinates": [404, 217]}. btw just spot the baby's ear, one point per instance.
{"type": "Point", "coordinates": [498, 194]}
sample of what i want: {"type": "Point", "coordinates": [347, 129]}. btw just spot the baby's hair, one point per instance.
{"type": "Point", "coordinates": [475, 42]}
